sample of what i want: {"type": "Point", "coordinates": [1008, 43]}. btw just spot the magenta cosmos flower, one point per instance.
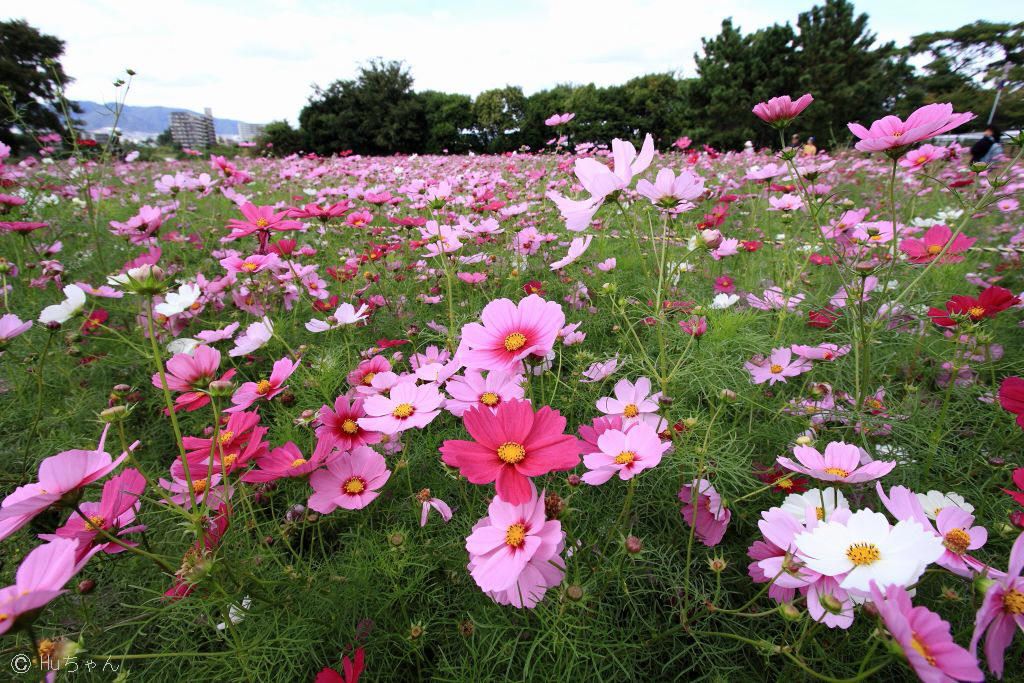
{"type": "Point", "coordinates": [59, 476]}
{"type": "Point", "coordinates": [40, 578]}
{"type": "Point", "coordinates": [777, 367]}
{"type": "Point", "coordinates": [190, 375]}
{"type": "Point", "coordinates": [350, 481]}
{"type": "Point", "coordinates": [512, 537]}
{"type": "Point", "coordinates": [779, 111]}
{"type": "Point", "coordinates": [260, 219]}
{"type": "Point", "coordinates": [474, 390]}
{"type": "Point", "coordinates": [265, 389]}
{"type": "Point", "coordinates": [928, 247]}
{"type": "Point", "coordinates": [892, 133]}
{"type": "Point", "coordinates": [115, 512]}
{"type": "Point", "coordinates": [704, 511]}
{"type": "Point", "coordinates": [510, 332]}
{"type": "Point", "coordinates": [1002, 611]}
{"type": "Point", "coordinates": [625, 453]}
{"type": "Point", "coordinates": [512, 444]}
{"type": "Point", "coordinates": [407, 406]}
{"type": "Point", "coordinates": [340, 427]}
{"type": "Point", "coordinates": [840, 462]}
{"type": "Point", "coordinates": [287, 461]}
{"type": "Point", "coordinates": [924, 638]}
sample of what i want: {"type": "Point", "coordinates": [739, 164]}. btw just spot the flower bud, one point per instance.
{"type": "Point", "coordinates": [790, 612]}
{"type": "Point", "coordinates": [113, 414]}
{"type": "Point", "coordinates": [634, 545]}
{"type": "Point", "coordinates": [86, 586]}
{"type": "Point", "coordinates": [717, 564]}
{"type": "Point", "coordinates": [221, 388]}
{"type": "Point", "coordinates": [804, 440]}
{"type": "Point", "coordinates": [396, 539]}
{"type": "Point", "coordinates": [831, 604]}
{"type": "Point", "coordinates": [574, 592]}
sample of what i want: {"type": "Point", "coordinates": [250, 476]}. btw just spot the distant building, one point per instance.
{"type": "Point", "coordinates": [193, 131]}
{"type": "Point", "coordinates": [249, 132]}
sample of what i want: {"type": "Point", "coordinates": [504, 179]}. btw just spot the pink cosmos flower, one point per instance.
{"type": "Point", "coordinates": [407, 406]}
{"type": "Point", "coordinates": [350, 482]}
{"type": "Point", "coordinates": [775, 299]}
{"type": "Point", "coordinates": [924, 637]}
{"type": "Point", "coordinates": [512, 444]}
{"type": "Point", "coordinates": [840, 462]}
{"type": "Point", "coordinates": [559, 119]}
{"type": "Point", "coordinates": [600, 370]}
{"type": "Point", "coordinates": [577, 247]}
{"type": "Point", "coordinates": [780, 111]}
{"type": "Point", "coordinates": [40, 578]}
{"type": "Point", "coordinates": [927, 248]}
{"type": "Point", "coordinates": [212, 336]}
{"type": "Point", "coordinates": [672, 193]}
{"type": "Point", "coordinates": [827, 352]}
{"type": "Point", "coordinates": [472, 390]}
{"type": "Point", "coordinates": [210, 491]}
{"type": "Point", "coordinates": [287, 461]}
{"type": "Point", "coordinates": [430, 503]}
{"type": "Point", "coordinates": [511, 332]}
{"type": "Point", "coordinates": [250, 264]}
{"type": "Point", "coordinates": [254, 338]}
{"type": "Point", "coordinates": [703, 510]}
{"type": "Point", "coordinates": [695, 326]}
{"type": "Point", "coordinates": [364, 373]}
{"type": "Point", "coordinates": [626, 453]}
{"type": "Point", "coordinates": [261, 219]}
{"type": "Point", "coordinates": [265, 389]}
{"type": "Point", "coordinates": [917, 159]}
{"type": "Point", "coordinates": [890, 133]}
{"type": "Point", "coordinates": [590, 434]}
{"type": "Point", "coordinates": [115, 512]}
{"type": "Point", "coordinates": [607, 265]}
{"type": "Point", "coordinates": [1002, 611]}
{"type": "Point", "coordinates": [510, 539]}
{"type": "Point", "coordinates": [779, 365]}
{"type": "Point", "coordinates": [12, 326]}
{"type": "Point", "coordinates": [190, 375]}
{"type": "Point", "coordinates": [786, 202]}
{"type": "Point", "coordinates": [59, 476]}
{"type": "Point", "coordinates": [632, 402]}
{"type": "Point", "coordinates": [340, 427]}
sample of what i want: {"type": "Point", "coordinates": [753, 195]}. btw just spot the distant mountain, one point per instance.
{"type": "Point", "coordinates": [141, 121]}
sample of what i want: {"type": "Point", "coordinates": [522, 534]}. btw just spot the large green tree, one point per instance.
{"type": "Point", "coordinates": [32, 75]}
{"type": "Point", "coordinates": [499, 116]}
{"type": "Point", "coordinates": [281, 138]}
{"type": "Point", "coordinates": [450, 124]}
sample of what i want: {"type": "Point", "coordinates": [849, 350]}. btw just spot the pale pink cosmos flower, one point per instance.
{"type": "Point", "coordinates": [787, 202]}
{"type": "Point", "coordinates": [265, 389]}
{"type": "Point", "coordinates": [704, 511]}
{"type": "Point", "coordinates": [254, 338]}
{"type": "Point", "coordinates": [917, 159]}
{"type": "Point", "coordinates": [780, 111]}
{"type": "Point", "coordinates": [924, 637]}
{"type": "Point", "coordinates": [211, 336]}
{"type": "Point", "coordinates": [624, 453]}
{"type": "Point", "coordinates": [250, 264]}
{"type": "Point", "coordinates": [430, 503]}
{"type": "Point", "coordinates": [600, 370]}
{"type": "Point", "coordinates": [890, 133]}
{"type": "Point", "coordinates": [210, 491]}
{"type": "Point", "coordinates": [840, 462]}
{"type": "Point", "coordinates": [473, 389]}
{"type": "Point", "coordinates": [511, 332]}
{"type": "Point", "coordinates": [350, 482]}
{"type": "Point", "coordinates": [577, 247]}
{"type": "Point", "coordinates": [928, 247]}
{"type": "Point", "coordinates": [12, 326]}
{"type": "Point", "coordinates": [1002, 611]}
{"type": "Point", "coordinates": [779, 365]}
{"type": "Point", "coordinates": [59, 476]}
{"type": "Point", "coordinates": [607, 265]}
{"type": "Point", "coordinates": [559, 119]}
{"type": "Point", "coordinates": [346, 314]}
{"type": "Point", "coordinates": [40, 578]}
{"type": "Point", "coordinates": [407, 406]}
{"type": "Point", "coordinates": [503, 544]}
{"type": "Point", "coordinates": [824, 351]}
{"type": "Point", "coordinates": [672, 193]}
{"type": "Point", "coordinates": [632, 402]}
{"type": "Point", "coordinates": [774, 299]}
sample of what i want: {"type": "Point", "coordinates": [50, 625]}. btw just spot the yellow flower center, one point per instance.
{"type": "Point", "coordinates": [403, 410]}
{"type": "Point", "coordinates": [934, 249]}
{"type": "Point", "coordinates": [349, 426]}
{"type": "Point", "coordinates": [423, 496]}
{"type": "Point", "coordinates": [819, 512]}
{"type": "Point", "coordinates": [976, 311]}
{"type": "Point", "coordinates": [516, 535]}
{"type": "Point", "coordinates": [94, 522]}
{"type": "Point", "coordinates": [47, 648]}
{"type": "Point", "coordinates": [298, 462]}
{"type": "Point", "coordinates": [262, 222]}
{"type": "Point", "coordinates": [368, 378]}
{"type": "Point", "coordinates": [229, 460]}
{"type": "Point", "coordinates": [863, 553]}
{"type": "Point", "coordinates": [515, 341]}
{"type": "Point", "coordinates": [625, 458]}
{"type": "Point", "coordinates": [630, 410]}
{"type": "Point", "coordinates": [775, 368]}
{"type": "Point", "coordinates": [784, 483]}
{"type": "Point", "coordinates": [511, 452]}
{"type": "Point", "coordinates": [262, 387]}
{"type": "Point", "coordinates": [920, 649]}
{"type": "Point", "coordinates": [956, 541]}
{"type": "Point", "coordinates": [353, 486]}
{"type": "Point", "coordinates": [199, 485]}
{"type": "Point", "coordinates": [1013, 602]}
{"type": "Point", "coordinates": [225, 437]}
{"type": "Point", "coordinates": [490, 399]}
{"type": "Point", "coordinates": [249, 266]}
{"type": "Point", "coordinates": [837, 472]}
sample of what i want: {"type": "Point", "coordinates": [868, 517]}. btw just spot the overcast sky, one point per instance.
{"type": "Point", "coordinates": [255, 60]}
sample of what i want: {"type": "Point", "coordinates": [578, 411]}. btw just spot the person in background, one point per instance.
{"type": "Point", "coordinates": [748, 148]}
{"type": "Point", "coordinates": [794, 140]}
{"type": "Point", "coordinates": [810, 149]}
{"type": "Point", "coordinates": [984, 150]}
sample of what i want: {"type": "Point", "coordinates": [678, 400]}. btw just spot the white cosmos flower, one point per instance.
{"type": "Point", "coordinates": [178, 302]}
{"type": "Point", "coordinates": [866, 548]}
{"type": "Point", "coordinates": [73, 302]}
{"type": "Point", "coordinates": [824, 503]}
{"type": "Point", "coordinates": [723, 300]}
{"type": "Point", "coordinates": [934, 502]}
{"type": "Point", "coordinates": [345, 315]}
